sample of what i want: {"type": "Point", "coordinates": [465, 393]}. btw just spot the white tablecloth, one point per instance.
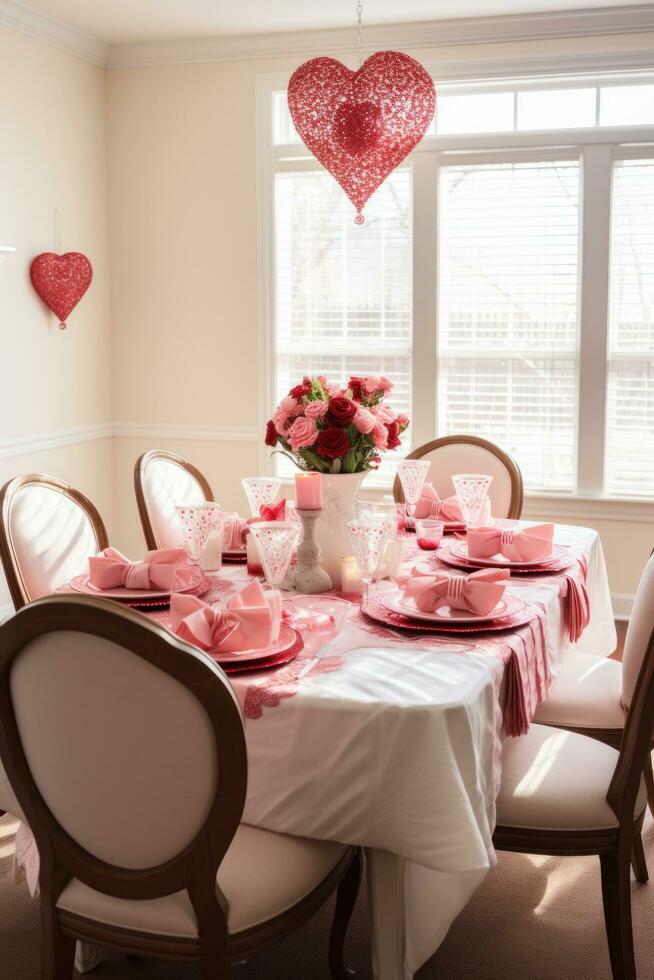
{"type": "Point", "coordinates": [398, 751]}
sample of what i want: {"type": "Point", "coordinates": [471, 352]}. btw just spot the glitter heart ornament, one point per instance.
{"type": "Point", "coordinates": [61, 281]}
{"type": "Point", "coordinates": [362, 124]}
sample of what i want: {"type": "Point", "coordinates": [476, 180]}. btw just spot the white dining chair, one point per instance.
{"type": "Point", "coordinates": [161, 481]}
{"type": "Point", "coordinates": [591, 694]}
{"type": "Point", "coordinates": [137, 820]}
{"type": "Point", "coordinates": [470, 454]}
{"type": "Point", "coordinates": [563, 793]}
{"type": "Point", "coordinates": [48, 529]}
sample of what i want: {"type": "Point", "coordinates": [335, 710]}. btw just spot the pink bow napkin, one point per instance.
{"type": "Point", "coordinates": [270, 512]}
{"type": "Point", "coordinates": [251, 621]}
{"type": "Point", "coordinates": [530, 544]}
{"type": "Point", "coordinates": [167, 570]}
{"type": "Point", "coordinates": [235, 529]}
{"type": "Point", "coordinates": [431, 505]}
{"type": "Point", "coordinates": [477, 593]}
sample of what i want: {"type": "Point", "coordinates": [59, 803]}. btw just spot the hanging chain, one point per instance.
{"type": "Point", "coordinates": [359, 10]}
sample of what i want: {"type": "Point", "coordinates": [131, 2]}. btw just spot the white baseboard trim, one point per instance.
{"type": "Point", "coordinates": [44, 441]}
{"type": "Point", "coordinates": [622, 604]}
{"type": "Point", "coordinates": [206, 433]}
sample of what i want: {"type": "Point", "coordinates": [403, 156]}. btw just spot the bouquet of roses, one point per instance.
{"type": "Point", "coordinates": [336, 430]}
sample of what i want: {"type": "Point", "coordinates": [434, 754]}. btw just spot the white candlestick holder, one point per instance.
{"type": "Point", "coordinates": [309, 575]}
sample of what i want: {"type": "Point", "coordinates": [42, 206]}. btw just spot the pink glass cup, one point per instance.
{"type": "Point", "coordinates": [429, 533]}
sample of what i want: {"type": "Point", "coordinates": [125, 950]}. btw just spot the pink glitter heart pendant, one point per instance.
{"type": "Point", "coordinates": [61, 281]}
{"type": "Point", "coordinates": [362, 124]}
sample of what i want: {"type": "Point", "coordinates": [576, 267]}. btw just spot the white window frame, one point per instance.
{"type": "Point", "coordinates": [597, 149]}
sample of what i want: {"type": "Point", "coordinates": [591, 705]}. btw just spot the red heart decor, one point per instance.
{"type": "Point", "coordinates": [61, 281]}
{"type": "Point", "coordinates": [361, 124]}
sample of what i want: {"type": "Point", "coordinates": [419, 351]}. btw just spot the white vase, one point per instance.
{"type": "Point", "coordinates": [339, 492]}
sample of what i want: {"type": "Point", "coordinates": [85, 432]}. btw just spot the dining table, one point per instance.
{"type": "Point", "coordinates": [391, 740]}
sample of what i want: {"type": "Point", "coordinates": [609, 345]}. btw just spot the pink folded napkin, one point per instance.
{"type": "Point", "coordinates": [431, 505]}
{"type": "Point", "coordinates": [235, 529]}
{"type": "Point", "coordinates": [166, 570]}
{"type": "Point", "coordinates": [477, 593]}
{"type": "Point", "coordinates": [251, 621]}
{"type": "Point", "coordinates": [530, 544]}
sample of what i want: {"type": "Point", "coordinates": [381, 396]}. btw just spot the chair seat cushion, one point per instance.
{"type": "Point", "coordinates": [586, 694]}
{"type": "Point", "coordinates": [558, 780]}
{"type": "Point", "coordinates": [262, 875]}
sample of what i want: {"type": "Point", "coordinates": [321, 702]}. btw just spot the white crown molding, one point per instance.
{"type": "Point", "coordinates": [424, 34]}
{"type": "Point", "coordinates": [23, 18]}
{"type": "Point", "coordinates": [170, 431]}
{"type": "Point", "coordinates": [25, 446]}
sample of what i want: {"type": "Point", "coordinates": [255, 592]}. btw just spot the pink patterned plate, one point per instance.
{"type": "Point", "coordinates": [374, 608]}
{"type": "Point", "coordinates": [460, 550]}
{"type": "Point", "coordinates": [81, 583]}
{"type": "Point", "coordinates": [452, 554]}
{"type": "Point", "coordinates": [287, 647]}
{"type": "Point", "coordinates": [507, 606]}
{"type": "Point", "coordinates": [451, 527]}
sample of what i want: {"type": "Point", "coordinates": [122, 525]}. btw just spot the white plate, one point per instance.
{"type": "Point", "coordinates": [460, 550]}
{"type": "Point", "coordinates": [507, 606]}
{"type": "Point", "coordinates": [82, 584]}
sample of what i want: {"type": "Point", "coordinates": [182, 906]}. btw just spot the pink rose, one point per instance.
{"type": "Point", "coordinates": [380, 435]}
{"type": "Point", "coordinates": [402, 421]}
{"type": "Point", "coordinates": [315, 410]}
{"type": "Point", "coordinates": [364, 421]}
{"type": "Point", "coordinates": [372, 383]}
{"type": "Point", "coordinates": [286, 413]}
{"type": "Point", "coordinates": [333, 390]}
{"type": "Point", "coordinates": [303, 432]}
{"type": "Point", "coordinates": [288, 405]}
{"type": "Point", "coordinates": [384, 413]}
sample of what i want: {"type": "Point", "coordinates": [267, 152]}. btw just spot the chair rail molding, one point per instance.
{"type": "Point", "coordinates": [5, 250]}
{"type": "Point", "coordinates": [44, 441]}
{"type": "Point", "coordinates": [196, 433]}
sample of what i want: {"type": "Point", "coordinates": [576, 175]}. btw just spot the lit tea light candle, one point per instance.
{"type": "Point", "coordinates": [308, 491]}
{"type": "Point", "coordinates": [351, 580]}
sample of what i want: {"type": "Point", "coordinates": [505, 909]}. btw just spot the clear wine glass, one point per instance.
{"type": "Point", "coordinates": [471, 492]}
{"type": "Point", "coordinates": [276, 541]}
{"type": "Point", "coordinates": [197, 520]}
{"type": "Point", "coordinates": [412, 473]}
{"type": "Point", "coordinates": [368, 544]}
{"type": "Point", "coordinates": [260, 490]}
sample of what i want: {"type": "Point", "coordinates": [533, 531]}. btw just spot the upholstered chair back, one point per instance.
{"type": "Point", "coordinates": [47, 532]}
{"type": "Point", "coordinates": [161, 481]}
{"type": "Point", "coordinates": [469, 454]}
{"type": "Point", "coordinates": [125, 745]}
{"type": "Point", "coordinates": [641, 624]}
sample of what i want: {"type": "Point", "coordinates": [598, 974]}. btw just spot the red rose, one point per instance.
{"type": "Point", "coordinates": [300, 390]}
{"type": "Point", "coordinates": [333, 443]}
{"type": "Point", "coordinates": [341, 411]}
{"type": "Point", "coordinates": [356, 386]}
{"type": "Point", "coordinates": [271, 433]}
{"type": "Point", "coordinates": [393, 430]}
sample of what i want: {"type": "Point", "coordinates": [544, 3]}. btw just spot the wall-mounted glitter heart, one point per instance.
{"type": "Point", "coordinates": [361, 124]}
{"type": "Point", "coordinates": [61, 281]}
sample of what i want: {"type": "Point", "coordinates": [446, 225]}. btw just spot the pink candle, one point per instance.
{"type": "Point", "coordinates": [308, 491]}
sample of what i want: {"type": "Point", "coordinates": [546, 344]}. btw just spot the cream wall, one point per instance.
{"type": "Point", "coordinates": [53, 157]}
{"type": "Point", "coordinates": [183, 232]}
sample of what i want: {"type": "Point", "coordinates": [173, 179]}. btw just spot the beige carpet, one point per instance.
{"type": "Point", "coordinates": [535, 918]}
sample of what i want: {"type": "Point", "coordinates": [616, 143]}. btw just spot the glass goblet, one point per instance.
{"type": "Point", "coordinates": [260, 490]}
{"type": "Point", "coordinates": [197, 520]}
{"type": "Point", "coordinates": [412, 473]}
{"type": "Point", "coordinates": [276, 541]}
{"type": "Point", "coordinates": [368, 540]}
{"type": "Point", "coordinates": [471, 492]}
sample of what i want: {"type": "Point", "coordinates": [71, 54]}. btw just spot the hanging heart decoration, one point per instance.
{"type": "Point", "coordinates": [361, 124]}
{"type": "Point", "coordinates": [61, 281]}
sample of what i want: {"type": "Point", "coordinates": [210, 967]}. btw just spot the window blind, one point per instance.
{"type": "Point", "coordinates": [508, 318]}
{"type": "Point", "coordinates": [343, 291]}
{"type": "Point", "coordinates": [630, 398]}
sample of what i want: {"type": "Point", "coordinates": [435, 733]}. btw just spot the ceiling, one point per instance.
{"type": "Point", "coordinates": [121, 21]}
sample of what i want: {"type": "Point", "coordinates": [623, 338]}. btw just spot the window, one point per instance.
{"type": "Point", "coordinates": [630, 402]}
{"type": "Point", "coordinates": [507, 326]}
{"type": "Point", "coordinates": [494, 271]}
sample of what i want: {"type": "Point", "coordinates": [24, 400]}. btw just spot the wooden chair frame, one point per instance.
{"type": "Point", "coordinates": [517, 490]}
{"type": "Point", "coordinates": [17, 587]}
{"type": "Point", "coordinates": [615, 847]}
{"type": "Point", "coordinates": [196, 867]}
{"type": "Point", "coordinates": [141, 499]}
